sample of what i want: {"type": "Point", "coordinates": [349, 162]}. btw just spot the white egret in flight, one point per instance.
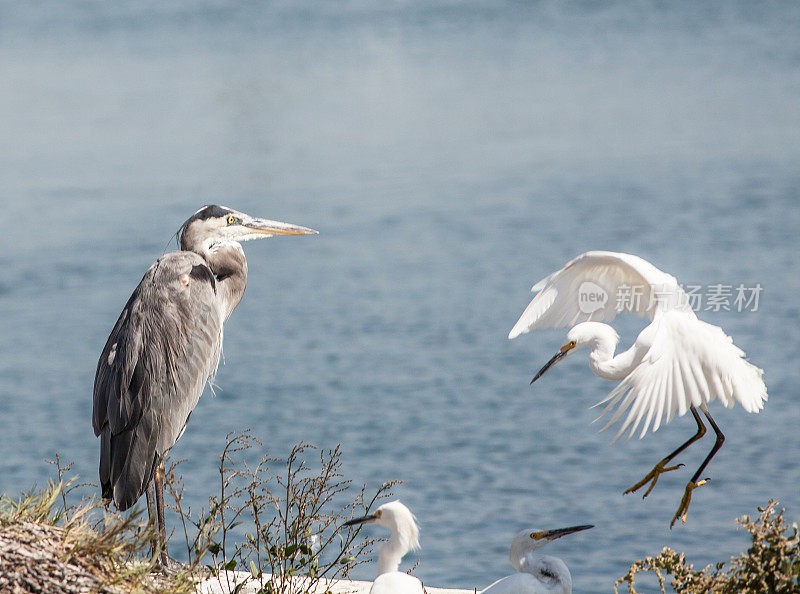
{"type": "Point", "coordinates": [404, 538]}
{"type": "Point", "coordinates": [536, 575]}
{"type": "Point", "coordinates": [677, 364]}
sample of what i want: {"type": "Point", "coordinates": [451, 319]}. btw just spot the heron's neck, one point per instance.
{"type": "Point", "coordinates": [603, 362]}
{"type": "Point", "coordinates": [226, 260]}
{"type": "Point", "coordinates": [390, 555]}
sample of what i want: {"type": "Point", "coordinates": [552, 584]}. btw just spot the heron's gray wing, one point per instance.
{"type": "Point", "coordinates": [152, 371]}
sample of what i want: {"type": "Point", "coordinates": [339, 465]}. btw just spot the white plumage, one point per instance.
{"type": "Point", "coordinates": [396, 582]}
{"type": "Point", "coordinates": [685, 362]}
{"type": "Point", "coordinates": [557, 303]}
{"type": "Point", "coordinates": [535, 575]}
{"type": "Point", "coordinates": [404, 537]}
{"type": "Point", "coordinates": [678, 362]}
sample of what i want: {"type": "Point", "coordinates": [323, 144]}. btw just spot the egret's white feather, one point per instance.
{"type": "Point", "coordinates": [404, 538]}
{"type": "Point", "coordinates": [690, 363]}
{"type": "Point", "coordinates": [526, 583]}
{"type": "Point", "coordinates": [677, 361]}
{"type": "Point", "coordinates": [535, 575]}
{"type": "Point", "coordinates": [556, 305]}
{"type": "Point", "coordinates": [396, 582]}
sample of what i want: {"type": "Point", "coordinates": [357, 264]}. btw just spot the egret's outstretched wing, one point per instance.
{"type": "Point", "coordinates": [152, 371]}
{"type": "Point", "coordinates": [689, 362]}
{"type": "Point", "coordinates": [628, 283]}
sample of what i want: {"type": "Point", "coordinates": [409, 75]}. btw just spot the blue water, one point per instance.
{"type": "Point", "coordinates": [450, 154]}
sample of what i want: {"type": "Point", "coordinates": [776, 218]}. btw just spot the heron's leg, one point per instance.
{"type": "Point", "coordinates": [152, 516]}
{"type": "Point", "coordinates": [662, 467]}
{"type": "Point", "coordinates": [158, 480]}
{"type": "Point", "coordinates": [166, 563]}
{"type": "Point", "coordinates": [694, 482]}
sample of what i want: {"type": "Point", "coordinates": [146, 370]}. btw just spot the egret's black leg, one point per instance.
{"type": "Point", "coordinates": [694, 482]}
{"type": "Point", "coordinates": [662, 467]}
{"type": "Point", "coordinates": [717, 445]}
{"type": "Point", "coordinates": [166, 563]}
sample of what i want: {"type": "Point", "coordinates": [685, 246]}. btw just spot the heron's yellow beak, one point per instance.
{"type": "Point", "coordinates": [268, 227]}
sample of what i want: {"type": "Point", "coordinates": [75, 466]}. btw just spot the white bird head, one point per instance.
{"type": "Point", "coordinates": [527, 541]}
{"type": "Point", "coordinates": [593, 334]}
{"type": "Point", "coordinates": [404, 533]}
{"type": "Point", "coordinates": [589, 333]}
{"type": "Point", "coordinates": [398, 519]}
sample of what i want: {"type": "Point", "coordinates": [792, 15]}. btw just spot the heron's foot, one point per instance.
{"type": "Point", "coordinates": [653, 475]}
{"type": "Point", "coordinates": [685, 500]}
{"type": "Point", "coordinates": [167, 565]}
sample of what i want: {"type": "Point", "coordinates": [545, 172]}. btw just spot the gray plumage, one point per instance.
{"type": "Point", "coordinates": [163, 349]}
{"type": "Point", "coordinates": [166, 345]}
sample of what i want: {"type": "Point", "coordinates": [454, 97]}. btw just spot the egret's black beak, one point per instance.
{"type": "Point", "coordinates": [361, 520]}
{"type": "Point", "coordinates": [562, 352]}
{"type": "Point", "coordinates": [551, 534]}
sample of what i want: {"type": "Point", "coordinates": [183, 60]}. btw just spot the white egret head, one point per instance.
{"type": "Point", "coordinates": [591, 334]}
{"type": "Point", "coordinates": [404, 533]}
{"type": "Point", "coordinates": [527, 541]}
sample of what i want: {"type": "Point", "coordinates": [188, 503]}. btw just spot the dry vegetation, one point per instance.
{"type": "Point", "coordinates": [44, 548]}
{"type": "Point", "coordinates": [280, 520]}
{"type": "Point", "coordinates": [285, 513]}
{"type": "Point", "coordinates": [290, 520]}
{"type": "Point", "coordinates": [771, 564]}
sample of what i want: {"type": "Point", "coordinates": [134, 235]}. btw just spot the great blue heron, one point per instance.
{"type": "Point", "coordinates": [404, 538]}
{"type": "Point", "coordinates": [164, 348]}
{"type": "Point", "coordinates": [535, 575]}
{"type": "Point", "coordinates": [677, 364]}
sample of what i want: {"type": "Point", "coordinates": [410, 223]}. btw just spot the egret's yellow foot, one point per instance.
{"type": "Point", "coordinates": [653, 475]}
{"type": "Point", "coordinates": [685, 500]}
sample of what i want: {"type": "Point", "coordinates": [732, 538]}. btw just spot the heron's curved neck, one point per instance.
{"type": "Point", "coordinates": [603, 362]}
{"type": "Point", "coordinates": [226, 260]}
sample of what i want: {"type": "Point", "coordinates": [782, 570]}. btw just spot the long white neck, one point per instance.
{"type": "Point", "coordinates": [602, 360]}
{"type": "Point", "coordinates": [390, 555]}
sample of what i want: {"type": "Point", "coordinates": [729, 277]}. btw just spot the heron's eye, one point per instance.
{"type": "Point", "coordinates": [231, 219]}
{"type": "Point", "coordinates": [572, 344]}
